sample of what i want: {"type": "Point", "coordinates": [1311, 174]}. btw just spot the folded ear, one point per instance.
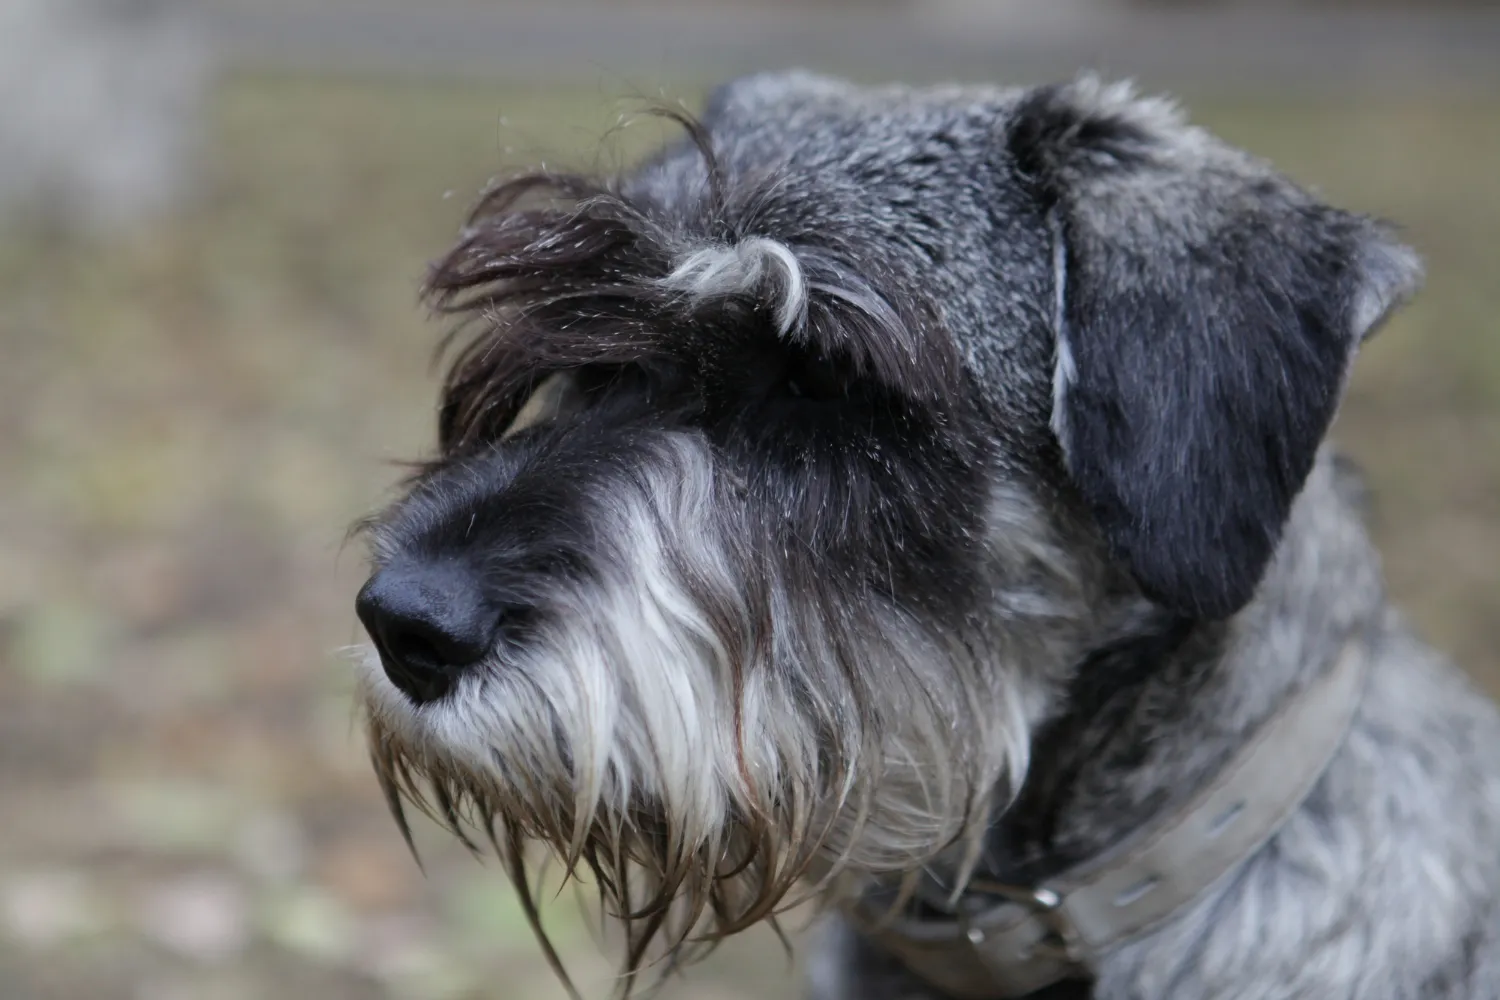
{"type": "Point", "coordinates": [1207, 311]}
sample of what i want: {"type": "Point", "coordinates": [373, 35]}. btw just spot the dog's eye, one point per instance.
{"type": "Point", "coordinates": [651, 383]}
{"type": "Point", "coordinates": [554, 396]}
{"type": "Point", "coordinates": [566, 393]}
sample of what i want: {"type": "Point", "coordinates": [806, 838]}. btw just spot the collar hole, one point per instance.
{"type": "Point", "coordinates": [1137, 891]}
{"type": "Point", "coordinates": [1222, 821]}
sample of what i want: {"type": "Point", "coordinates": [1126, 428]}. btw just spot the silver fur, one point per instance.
{"type": "Point", "coordinates": [738, 270]}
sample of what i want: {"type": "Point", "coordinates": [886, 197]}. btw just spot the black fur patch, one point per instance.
{"type": "Point", "coordinates": [1050, 133]}
{"type": "Point", "coordinates": [1099, 730]}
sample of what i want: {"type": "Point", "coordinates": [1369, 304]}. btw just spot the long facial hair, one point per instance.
{"type": "Point", "coordinates": [758, 692]}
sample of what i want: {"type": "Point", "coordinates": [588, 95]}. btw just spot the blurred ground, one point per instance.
{"type": "Point", "coordinates": [192, 412]}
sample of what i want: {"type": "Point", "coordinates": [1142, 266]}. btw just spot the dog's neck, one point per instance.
{"type": "Point", "coordinates": [1154, 714]}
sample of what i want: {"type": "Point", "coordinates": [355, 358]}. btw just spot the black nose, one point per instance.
{"type": "Point", "coordinates": [428, 622]}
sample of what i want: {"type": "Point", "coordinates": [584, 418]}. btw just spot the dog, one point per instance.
{"type": "Point", "coordinates": [916, 501]}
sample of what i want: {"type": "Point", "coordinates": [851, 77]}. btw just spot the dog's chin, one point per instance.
{"type": "Point", "coordinates": [695, 812]}
{"type": "Point", "coordinates": [680, 856]}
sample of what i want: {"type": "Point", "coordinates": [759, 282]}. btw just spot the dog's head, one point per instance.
{"type": "Point", "coordinates": [783, 481]}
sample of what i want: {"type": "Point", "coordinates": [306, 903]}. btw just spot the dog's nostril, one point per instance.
{"type": "Point", "coordinates": [428, 623]}
{"type": "Point", "coordinates": [418, 643]}
{"type": "Point", "coordinates": [414, 648]}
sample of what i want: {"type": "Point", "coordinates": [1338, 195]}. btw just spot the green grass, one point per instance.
{"type": "Point", "coordinates": [191, 413]}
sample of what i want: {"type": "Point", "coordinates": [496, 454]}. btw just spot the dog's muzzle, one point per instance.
{"type": "Point", "coordinates": [999, 942]}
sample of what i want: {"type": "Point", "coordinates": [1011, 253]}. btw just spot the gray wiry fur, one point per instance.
{"type": "Point", "coordinates": [1383, 886]}
{"type": "Point", "coordinates": [1079, 537]}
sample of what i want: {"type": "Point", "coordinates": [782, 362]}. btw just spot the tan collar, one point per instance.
{"type": "Point", "coordinates": [1009, 941]}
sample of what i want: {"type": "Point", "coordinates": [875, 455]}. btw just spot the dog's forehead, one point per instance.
{"type": "Point", "coordinates": [911, 183]}
{"type": "Point", "coordinates": [800, 102]}
{"type": "Point", "coordinates": [915, 184]}
{"type": "Point", "coordinates": [819, 125]}
{"type": "Point", "coordinates": [821, 133]}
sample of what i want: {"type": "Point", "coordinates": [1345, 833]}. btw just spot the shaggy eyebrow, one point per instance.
{"type": "Point", "coordinates": [557, 271]}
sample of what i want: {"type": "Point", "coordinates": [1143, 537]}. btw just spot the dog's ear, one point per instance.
{"type": "Point", "coordinates": [1207, 312]}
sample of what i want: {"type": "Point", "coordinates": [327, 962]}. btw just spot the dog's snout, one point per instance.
{"type": "Point", "coordinates": [428, 622]}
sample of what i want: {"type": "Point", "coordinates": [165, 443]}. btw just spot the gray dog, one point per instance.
{"type": "Point", "coordinates": [916, 500]}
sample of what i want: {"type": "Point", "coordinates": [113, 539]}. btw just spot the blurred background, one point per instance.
{"type": "Point", "coordinates": [213, 220]}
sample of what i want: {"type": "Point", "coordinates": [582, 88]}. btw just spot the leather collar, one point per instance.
{"type": "Point", "coordinates": [1002, 941]}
